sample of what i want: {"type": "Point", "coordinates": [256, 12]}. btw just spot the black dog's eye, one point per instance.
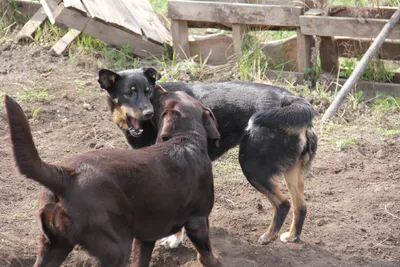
{"type": "Point", "coordinates": [128, 94]}
{"type": "Point", "coordinates": [148, 90]}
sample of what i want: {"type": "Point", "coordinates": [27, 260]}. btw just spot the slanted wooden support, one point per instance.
{"type": "Point", "coordinates": [238, 33]}
{"type": "Point", "coordinates": [362, 65]}
{"type": "Point", "coordinates": [30, 27]}
{"type": "Point", "coordinates": [49, 7]}
{"type": "Point", "coordinates": [180, 39]}
{"type": "Point", "coordinates": [63, 44]}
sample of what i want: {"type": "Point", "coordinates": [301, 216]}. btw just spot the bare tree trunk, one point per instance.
{"type": "Point", "coordinates": [358, 71]}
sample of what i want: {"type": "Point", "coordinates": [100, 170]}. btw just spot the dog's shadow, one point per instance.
{"type": "Point", "coordinates": [233, 251]}
{"type": "Point", "coordinates": [237, 253]}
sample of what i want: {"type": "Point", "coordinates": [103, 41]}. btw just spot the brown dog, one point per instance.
{"type": "Point", "coordinates": [104, 199]}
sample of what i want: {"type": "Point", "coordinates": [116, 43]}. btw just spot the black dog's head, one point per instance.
{"type": "Point", "coordinates": [130, 92]}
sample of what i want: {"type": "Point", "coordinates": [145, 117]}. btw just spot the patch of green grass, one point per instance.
{"type": "Point", "coordinates": [87, 41]}
{"type": "Point", "coordinates": [386, 103]}
{"type": "Point", "coordinates": [30, 94]}
{"type": "Point", "coordinates": [252, 63]}
{"type": "Point", "coordinates": [392, 132]}
{"type": "Point", "coordinates": [159, 5]}
{"type": "Point", "coordinates": [341, 144]}
{"type": "Point", "coordinates": [35, 112]}
{"type": "Point", "coordinates": [375, 71]}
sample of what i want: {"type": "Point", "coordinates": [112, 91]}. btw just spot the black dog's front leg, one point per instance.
{"type": "Point", "coordinates": [147, 138]}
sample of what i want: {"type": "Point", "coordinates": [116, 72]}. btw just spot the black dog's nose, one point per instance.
{"type": "Point", "coordinates": [148, 113]}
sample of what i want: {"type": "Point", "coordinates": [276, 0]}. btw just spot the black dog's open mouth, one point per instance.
{"type": "Point", "coordinates": [134, 127]}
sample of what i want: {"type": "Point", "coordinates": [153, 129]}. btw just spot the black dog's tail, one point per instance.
{"type": "Point", "coordinates": [26, 156]}
{"type": "Point", "coordinates": [293, 113]}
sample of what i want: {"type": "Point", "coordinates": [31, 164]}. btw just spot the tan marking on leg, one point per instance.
{"type": "Point", "coordinates": [294, 181]}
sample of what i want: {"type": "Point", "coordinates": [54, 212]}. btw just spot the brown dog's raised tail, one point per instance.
{"type": "Point", "coordinates": [26, 156]}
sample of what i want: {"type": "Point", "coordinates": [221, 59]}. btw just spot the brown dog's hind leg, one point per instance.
{"type": "Point", "coordinates": [52, 253]}
{"type": "Point", "coordinates": [142, 253]}
{"type": "Point", "coordinates": [197, 229]}
{"type": "Point", "coordinates": [294, 181]}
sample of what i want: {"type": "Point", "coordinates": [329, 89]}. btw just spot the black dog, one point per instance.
{"type": "Point", "coordinates": [104, 199]}
{"type": "Point", "coordinates": [272, 126]}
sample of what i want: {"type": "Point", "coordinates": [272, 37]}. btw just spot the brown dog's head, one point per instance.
{"type": "Point", "coordinates": [180, 113]}
{"type": "Point", "coordinates": [130, 92]}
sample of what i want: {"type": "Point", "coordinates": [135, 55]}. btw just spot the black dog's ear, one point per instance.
{"type": "Point", "coordinates": [107, 79]}
{"type": "Point", "coordinates": [211, 126]}
{"type": "Point", "coordinates": [151, 74]}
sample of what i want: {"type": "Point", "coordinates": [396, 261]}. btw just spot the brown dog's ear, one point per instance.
{"type": "Point", "coordinates": [152, 75]}
{"type": "Point", "coordinates": [160, 89]}
{"type": "Point", "coordinates": [169, 124]}
{"type": "Point", "coordinates": [211, 126]}
{"type": "Point", "coordinates": [107, 79]}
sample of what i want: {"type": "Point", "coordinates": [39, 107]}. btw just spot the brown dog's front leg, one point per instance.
{"type": "Point", "coordinates": [197, 230]}
{"type": "Point", "coordinates": [142, 253]}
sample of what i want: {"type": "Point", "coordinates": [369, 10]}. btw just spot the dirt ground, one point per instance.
{"type": "Point", "coordinates": [352, 193]}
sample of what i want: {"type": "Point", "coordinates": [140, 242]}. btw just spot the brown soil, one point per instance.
{"type": "Point", "coordinates": [353, 193]}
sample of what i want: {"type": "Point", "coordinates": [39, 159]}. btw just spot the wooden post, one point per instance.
{"type": "Point", "coordinates": [304, 43]}
{"type": "Point", "coordinates": [238, 32]}
{"type": "Point", "coordinates": [180, 39]}
{"type": "Point", "coordinates": [329, 55]}
{"type": "Point", "coordinates": [362, 65]}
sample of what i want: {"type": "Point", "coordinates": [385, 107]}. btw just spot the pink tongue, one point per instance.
{"type": "Point", "coordinates": [135, 123]}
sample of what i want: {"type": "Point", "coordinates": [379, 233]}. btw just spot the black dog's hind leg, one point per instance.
{"type": "Point", "coordinates": [294, 181]}
{"type": "Point", "coordinates": [263, 155]}
{"type": "Point", "coordinates": [197, 230]}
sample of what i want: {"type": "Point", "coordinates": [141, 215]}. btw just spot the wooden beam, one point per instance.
{"type": "Point", "coordinates": [30, 27]}
{"type": "Point", "coordinates": [349, 27]}
{"type": "Point", "coordinates": [304, 45]}
{"type": "Point", "coordinates": [248, 14]}
{"type": "Point", "coordinates": [180, 39]}
{"type": "Point", "coordinates": [49, 7]}
{"type": "Point", "coordinates": [107, 32]}
{"type": "Point", "coordinates": [63, 44]}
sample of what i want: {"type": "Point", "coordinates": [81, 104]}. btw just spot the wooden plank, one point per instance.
{"type": "Point", "coordinates": [248, 14]}
{"type": "Point", "coordinates": [114, 13]}
{"type": "Point", "coordinates": [381, 12]}
{"type": "Point", "coordinates": [31, 26]}
{"type": "Point", "coordinates": [152, 27]}
{"type": "Point", "coordinates": [107, 32]}
{"type": "Point", "coordinates": [180, 39]}
{"type": "Point", "coordinates": [353, 48]}
{"type": "Point", "coordinates": [304, 45]}
{"type": "Point", "coordinates": [49, 7]}
{"type": "Point", "coordinates": [238, 33]}
{"type": "Point", "coordinates": [70, 17]}
{"type": "Point", "coordinates": [349, 27]}
{"type": "Point", "coordinates": [77, 4]}
{"type": "Point", "coordinates": [63, 44]}
{"type": "Point", "coordinates": [371, 88]}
